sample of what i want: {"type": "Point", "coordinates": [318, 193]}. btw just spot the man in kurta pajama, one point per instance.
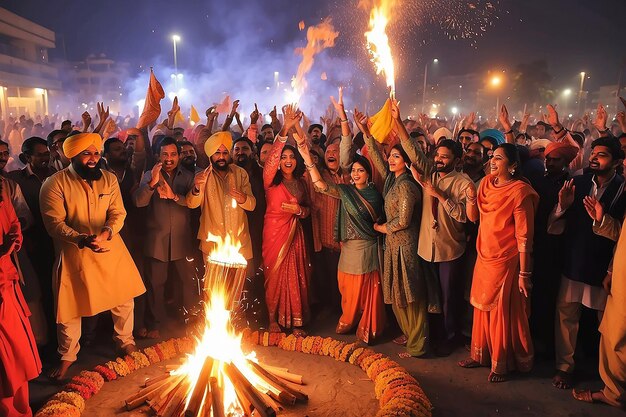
{"type": "Point", "coordinates": [83, 212]}
{"type": "Point", "coordinates": [224, 193]}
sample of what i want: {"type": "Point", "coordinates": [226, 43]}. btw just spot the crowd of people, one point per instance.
{"type": "Point", "coordinates": [495, 236]}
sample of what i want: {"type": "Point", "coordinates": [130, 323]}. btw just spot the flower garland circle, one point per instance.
{"type": "Point", "coordinates": [398, 393]}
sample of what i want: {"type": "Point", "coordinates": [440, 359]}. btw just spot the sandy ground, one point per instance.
{"type": "Point", "coordinates": [341, 389]}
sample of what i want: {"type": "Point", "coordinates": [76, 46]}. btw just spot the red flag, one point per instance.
{"type": "Point", "coordinates": [152, 106]}
{"type": "Point", "coordinates": [224, 107]}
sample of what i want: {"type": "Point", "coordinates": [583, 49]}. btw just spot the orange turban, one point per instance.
{"type": "Point", "coordinates": [216, 140]}
{"type": "Point", "coordinates": [75, 144]}
{"type": "Point", "coordinates": [562, 150]}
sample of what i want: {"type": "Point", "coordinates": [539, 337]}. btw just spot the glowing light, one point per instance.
{"type": "Point", "coordinates": [496, 81]}
{"type": "Point", "coordinates": [176, 38]}
{"type": "Point", "coordinates": [172, 76]}
{"type": "Point", "coordinates": [378, 42]}
{"type": "Point", "coordinates": [171, 95]}
{"type": "Point", "coordinates": [567, 92]}
{"type": "Point", "coordinates": [435, 60]}
{"type": "Point", "coordinates": [233, 203]}
{"type": "Point", "coordinates": [454, 110]}
{"type": "Point", "coordinates": [39, 90]}
{"type": "Point", "coordinates": [141, 103]}
{"type": "Point", "coordinates": [226, 250]}
{"type": "Point", "coordinates": [434, 106]}
{"type": "Point", "coordinates": [180, 76]}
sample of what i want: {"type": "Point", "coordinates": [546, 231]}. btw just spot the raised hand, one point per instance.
{"type": "Point", "coordinates": [594, 208]}
{"type": "Point", "coordinates": [339, 107]}
{"type": "Point", "coordinates": [553, 117]}
{"type": "Point", "coordinates": [273, 114]}
{"type": "Point", "coordinates": [102, 113]}
{"type": "Point", "coordinates": [601, 118]}
{"type": "Point", "coordinates": [503, 117]}
{"type": "Point", "coordinates": [156, 174]}
{"type": "Point", "coordinates": [201, 177]}
{"type": "Point", "coordinates": [566, 194]}
{"type": "Point", "coordinates": [621, 120]}
{"type": "Point", "coordinates": [291, 116]}
{"type": "Point", "coordinates": [361, 122]}
{"type": "Point", "coordinates": [86, 120]}
{"type": "Point", "coordinates": [233, 110]}
{"type": "Point", "coordinates": [395, 110]}
{"type": "Point", "coordinates": [211, 111]}
{"type": "Point", "coordinates": [254, 116]}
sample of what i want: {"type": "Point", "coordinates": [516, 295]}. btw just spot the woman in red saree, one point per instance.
{"type": "Point", "coordinates": [501, 285]}
{"type": "Point", "coordinates": [286, 261]}
{"type": "Point", "coordinates": [19, 359]}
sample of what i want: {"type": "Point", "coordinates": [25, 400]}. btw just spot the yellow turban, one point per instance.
{"type": "Point", "coordinates": [75, 144]}
{"type": "Point", "coordinates": [216, 140]}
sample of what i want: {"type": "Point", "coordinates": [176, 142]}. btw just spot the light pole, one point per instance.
{"type": "Point", "coordinates": [580, 92]}
{"type": "Point", "coordinates": [175, 38]}
{"type": "Point", "coordinates": [425, 79]}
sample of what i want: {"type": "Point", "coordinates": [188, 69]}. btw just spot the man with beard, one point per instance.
{"type": "Point", "coordinates": [188, 157]}
{"type": "Point", "coordinates": [474, 160]}
{"type": "Point", "coordinates": [467, 137]}
{"type": "Point", "coordinates": [168, 237]}
{"type": "Point", "coordinates": [83, 212]}
{"type": "Point", "coordinates": [586, 256]}
{"type": "Point", "coordinates": [263, 150]}
{"type": "Point", "coordinates": [242, 155]}
{"type": "Point", "coordinates": [224, 194]}
{"type": "Point", "coordinates": [449, 201]}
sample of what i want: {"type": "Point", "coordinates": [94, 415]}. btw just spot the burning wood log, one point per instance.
{"type": "Point", "coordinates": [288, 392]}
{"type": "Point", "coordinates": [147, 393]}
{"type": "Point", "coordinates": [202, 384]}
{"type": "Point", "coordinates": [174, 399]}
{"type": "Point", "coordinates": [217, 397]}
{"type": "Point", "coordinates": [236, 377]}
{"type": "Point", "coordinates": [157, 402]}
{"type": "Point", "coordinates": [227, 275]}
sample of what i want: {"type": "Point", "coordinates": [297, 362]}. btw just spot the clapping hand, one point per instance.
{"type": "Point", "coordinates": [566, 194]}
{"type": "Point", "coordinates": [594, 208]}
{"type": "Point", "coordinates": [601, 118]}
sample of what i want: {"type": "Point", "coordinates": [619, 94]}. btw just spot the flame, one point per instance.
{"type": "Point", "coordinates": [318, 37]}
{"type": "Point", "coordinates": [226, 250]}
{"type": "Point", "coordinates": [219, 339]}
{"type": "Point", "coordinates": [378, 41]}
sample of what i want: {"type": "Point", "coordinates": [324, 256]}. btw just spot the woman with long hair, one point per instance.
{"type": "Point", "coordinates": [402, 287]}
{"type": "Point", "coordinates": [358, 271]}
{"type": "Point", "coordinates": [285, 257]}
{"type": "Point", "coordinates": [502, 276]}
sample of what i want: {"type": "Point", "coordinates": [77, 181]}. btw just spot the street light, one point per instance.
{"type": "Point", "coordinates": [580, 91]}
{"type": "Point", "coordinates": [175, 38]}
{"type": "Point", "coordinates": [435, 61]}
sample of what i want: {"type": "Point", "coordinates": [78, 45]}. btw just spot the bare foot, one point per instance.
{"type": "Point", "coordinates": [142, 333]}
{"type": "Point", "coordinates": [468, 363]}
{"type": "Point", "coordinates": [274, 328]}
{"type": "Point", "coordinates": [589, 396]}
{"type": "Point", "coordinates": [493, 377]}
{"type": "Point", "coordinates": [59, 372]}
{"type": "Point", "coordinates": [562, 380]}
{"type": "Point", "coordinates": [401, 340]}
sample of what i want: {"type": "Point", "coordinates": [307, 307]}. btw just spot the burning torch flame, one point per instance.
{"type": "Point", "coordinates": [378, 42]}
{"type": "Point", "coordinates": [318, 38]}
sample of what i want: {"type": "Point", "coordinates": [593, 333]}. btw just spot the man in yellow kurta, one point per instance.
{"type": "Point", "coordinates": [223, 191]}
{"type": "Point", "coordinates": [83, 212]}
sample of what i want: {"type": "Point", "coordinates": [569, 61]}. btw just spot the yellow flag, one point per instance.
{"type": "Point", "coordinates": [382, 123]}
{"type": "Point", "coordinates": [179, 118]}
{"type": "Point", "coordinates": [193, 115]}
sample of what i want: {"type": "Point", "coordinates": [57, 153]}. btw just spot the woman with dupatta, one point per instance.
{"type": "Point", "coordinates": [19, 359]}
{"type": "Point", "coordinates": [358, 272]}
{"type": "Point", "coordinates": [402, 287]}
{"type": "Point", "coordinates": [286, 261]}
{"type": "Point", "coordinates": [502, 275]}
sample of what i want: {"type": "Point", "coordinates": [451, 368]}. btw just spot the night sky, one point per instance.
{"type": "Point", "coordinates": [245, 35]}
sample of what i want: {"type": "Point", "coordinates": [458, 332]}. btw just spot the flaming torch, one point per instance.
{"type": "Point", "coordinates": [378, 42]}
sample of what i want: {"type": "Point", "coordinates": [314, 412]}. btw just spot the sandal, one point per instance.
{"type": "Point", "coordinates": [584, 395]}
{"type": "Point", "coordinates": [299, 333]}
{"type": "Point", "coordinates": [468, 363]}
{"type": "Point", "coordinates": [401, 340]}
{"type": "Point", "coordinates": [493, 377]}
{"type": "Point", "coordinates": [404, 355]}
{"type": "Point", "coordinates": [563, 380]}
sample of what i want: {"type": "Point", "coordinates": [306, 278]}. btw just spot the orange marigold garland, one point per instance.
{"type": "Point", "coordinates": [399, 394]}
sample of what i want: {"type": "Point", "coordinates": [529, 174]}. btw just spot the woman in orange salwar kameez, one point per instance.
{"type": "Point", "coordinates": [501, 285]}
{"type": "Point", "coordinates": [19, 359]}
{"type": "Point", "coordinates": [286, 261]}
